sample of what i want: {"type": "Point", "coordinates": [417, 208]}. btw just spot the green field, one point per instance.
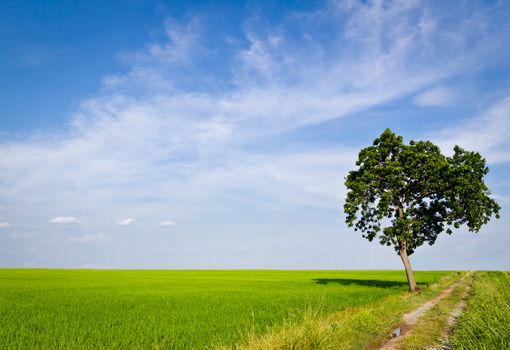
{"type": "Point", "coordinates": [485, 324]}
{"type": "Point", "coordinates": [174, 309]}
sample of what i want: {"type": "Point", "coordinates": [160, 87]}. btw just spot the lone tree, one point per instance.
{"type": "Point", "coordinates": [406, 195]}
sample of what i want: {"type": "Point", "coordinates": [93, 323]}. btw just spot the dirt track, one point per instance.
{"type": "Point", "coordinates": [410, 319]}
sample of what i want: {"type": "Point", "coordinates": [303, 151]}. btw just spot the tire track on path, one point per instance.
{"type": "Point", "coordinates": [453, 319]}
{"type": "Point", "coordinates": [411, 318]}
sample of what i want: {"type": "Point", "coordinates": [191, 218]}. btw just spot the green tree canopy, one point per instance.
{"type": "Point", "coordinates": [405, 195]}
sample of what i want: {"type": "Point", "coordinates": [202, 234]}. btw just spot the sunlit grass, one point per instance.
{"type": "Point", "coordinates": [175, 309]}
{"type": "Point", "coordinates": [360, 327]}
{"type": "Point", "coordinates": [485, 324]}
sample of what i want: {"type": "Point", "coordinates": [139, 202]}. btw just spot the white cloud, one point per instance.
{"type": "Point", "coordinates": [65, 220]}
{"type": "Point", "coordinates": [182, 41]}
{"type": "Point", "coordinates": [166, 223]}
{"type": "Point", "coordinates": [257, 56]}
{"type": "Point", "coordinates": [439, 96]}
{"type": "Point", "coordinates": [89, 238]}
{"type": "Point", "coordinates": [126, 222]}
{"type": "Point", "coordinates": [4, 225]}
{"type": "Point", "coordinates": [487, 133]}
{"type": "Point", "coordinates": [299, 178]}
{"type": "Point", "coordinates": [177, 144]}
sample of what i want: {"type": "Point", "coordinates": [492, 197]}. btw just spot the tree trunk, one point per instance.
{"type": "Point", "coordinates": [407, 265]}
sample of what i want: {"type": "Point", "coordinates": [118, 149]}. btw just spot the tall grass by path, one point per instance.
{"type": "Point", "coordinates": [358, 327]}
{"type": "Point", "coordinates": [485, 323]}
{"type": "Point", "coordinates": [116, 309]}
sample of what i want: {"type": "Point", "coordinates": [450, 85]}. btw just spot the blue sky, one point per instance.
{"type": "Point", "coordinates": [140, 134]}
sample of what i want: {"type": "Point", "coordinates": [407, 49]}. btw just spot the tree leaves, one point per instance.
{"type": "Point", "coordinates": [409, 193]}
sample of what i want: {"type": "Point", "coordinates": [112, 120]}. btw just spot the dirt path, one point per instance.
{"type": "Point", "coordinates": [410, 319]}
{"type": "Point", "coordinates": [453, 319]}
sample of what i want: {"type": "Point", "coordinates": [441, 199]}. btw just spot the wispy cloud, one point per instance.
{"type": "Point", "coordinates": [181, 45]}
{"type": "Point", "coordinates": [36, 55]}
{"type": "Point", "coordinates": [166, 223]}
{"type": "Point", "coordinates": [126, 222]}
{"type": "Point", "coordinates": [160, 65]}
{"type": "Point", "coordinates": [258, 56]}
{"type": "Point", "coordinates": [173, 143]}
{"type": "Point", "coordinates": [64, 220]}
{"type": "Point", "coordinates": [439, 96]}
{"type": "Point", "coordinates": [486, 133]}
{"type": "Point", "coordinates": [4, 225]}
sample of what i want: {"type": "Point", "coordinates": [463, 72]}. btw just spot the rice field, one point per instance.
{"type": "Point", "coordinates": [142, 309]}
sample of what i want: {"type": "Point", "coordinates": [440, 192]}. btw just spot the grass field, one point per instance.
{"type": "Point", "coordinates": [175, 309]}
{"type": "Point", "coordinates": [485, 324]}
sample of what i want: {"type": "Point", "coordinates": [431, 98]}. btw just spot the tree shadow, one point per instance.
{"type": "Point", "coordinates": [367, 283]}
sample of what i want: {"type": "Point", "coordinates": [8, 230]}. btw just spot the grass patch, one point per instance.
{"type": "Point", "coordinates": [353, 328]}
{"type": "Point", "coordinates": [485, 322]}
{"type": "Point", "coordinates": [118, 309]}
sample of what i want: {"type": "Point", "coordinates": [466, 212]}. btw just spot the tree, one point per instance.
{"type": "Point", "coordinates": [407, 194]}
